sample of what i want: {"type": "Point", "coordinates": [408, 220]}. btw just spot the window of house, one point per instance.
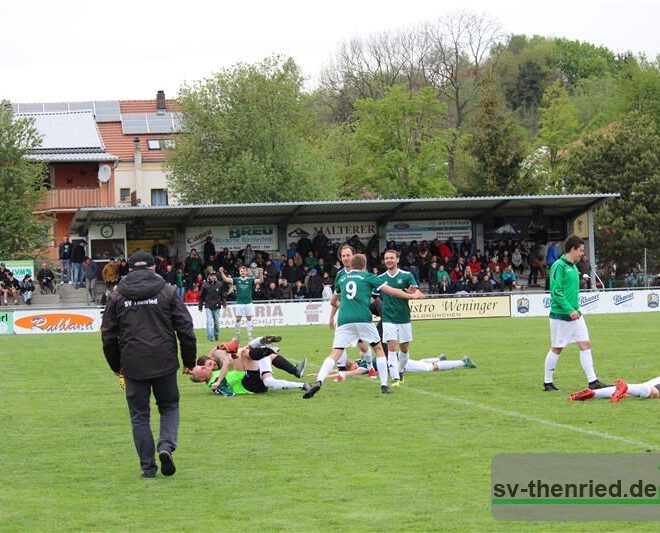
{"type": "Point", "coordinates": [159, 197]}
{"type": "Point", "coordinates": [124, 195]}
{"type": "Point", "coordinates": [154, 144]}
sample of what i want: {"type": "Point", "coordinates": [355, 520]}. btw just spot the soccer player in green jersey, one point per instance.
{"type": "Point", "coordinates": [567, 324]}
{"type": "Point", "coordinates": [355, 320]}
{"type": "Point", "coordinates": [244, 287]}
{"type": "Point", "coordinates": [397, 329]}
{"type": "Point", "coordinates": [346, 252]}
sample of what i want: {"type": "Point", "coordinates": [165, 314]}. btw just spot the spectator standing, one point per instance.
{"type": "Point", "coordinates": [517, 260]}
{"type": "Point", "coordinates": [66, 247]}
{"type": "Point", "coordinates": [91, 272]}
{"type": "Point", "coordinates": [110, 274]}
{"type": "Point", "coordinates": [552, 254]}
{"type": "Point", "coordinates": [209, 250]}
{"type": "Point", "coordinates": [433, 277]}
{"type": "Point", "coordinates": [320, 244]}
{"type": "Point", "coordinates": [304, 245]}
{"type": "Point", "coordinates": [144, 303]}
{"type": "Point", "coordinates": [212, 298]}
{"type": "Point", "coordinates": [180, 284]}
{"type": "Point", "coordinates": [77, 258]}
{"type": "Point", "coordinates": [122, 269]}
{"type": "Point", "coordinates": [192, 267]}
{"type": "Point", "coordinates": [584, 268]}
{"type": "Point", "coordinates": [158, 249]}
{"type": "Point", "coordinates": [169, 275]}
{"type": "Point", "coordinates": [314, 284]}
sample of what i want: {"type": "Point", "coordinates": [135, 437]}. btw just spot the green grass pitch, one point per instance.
{"type": "Point", "coordinates": [349, 459]}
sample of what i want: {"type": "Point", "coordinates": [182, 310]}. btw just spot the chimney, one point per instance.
{"type": "Point", "coordinates": [137, 152]}
{"type": "Point", "coordinates": [160, 102]}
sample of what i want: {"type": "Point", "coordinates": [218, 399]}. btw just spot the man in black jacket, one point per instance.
{"type": "Point", "coordinates": [78, 255]}
{"type": "Point", "coordinates": [213, 296]}
{"type": "Point", "coordinates": [146, 314]}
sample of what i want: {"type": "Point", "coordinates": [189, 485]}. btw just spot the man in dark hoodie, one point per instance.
{"type": "Point", "coordinates": [146, 314]}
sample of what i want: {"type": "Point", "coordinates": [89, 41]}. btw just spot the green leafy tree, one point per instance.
{"type": "Point", "coordinates": [402, 150]}
{"type": "Point", "coordinates": [497, 146]}
{"type": "Point", "coordinates": [598, 101]}
{"type": "Point", "coordinates": [244, 139]}
{"type": "Point", "coordinates": [22, 233]}
{"type": "Point", "coordinates": [640, 85]}
{"type": "Point", "coordinates": [559, 121]}
{"type": "Point", "coordinates": [624, 159]}
{"type": "Point", "coordinates": [578, 60]}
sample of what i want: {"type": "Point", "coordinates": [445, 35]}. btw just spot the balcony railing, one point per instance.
{"type": "Point", "coordinates": [70, 199]}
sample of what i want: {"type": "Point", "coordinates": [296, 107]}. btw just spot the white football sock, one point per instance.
{"type": "Point", "coordinates": [326, 368]}
{"type": "Point", "coordinates": [256, 343]}
{"type": "Point", "coordinates": [551, 361]}
{"type": "Point", "coordinates": [249, 328]}
{"type": "Point", "coordinates": [342, 358]}
{"type": "Point", "coordinates": [366, 356]}
{"type": "Point", "coordinates": [587, 362]}
{"type": "Point", "coordinates": [605, 392]}
{"type": "Point", "coordinates": [238, 330]}
{"type": "Point", "coordinates": [381, 363]}
{"type": "Point", "coordinates": [450, 365]}
{"type": "Point", "coordinates": [393, 364]}
{"type": "Point", "coordinates": [404, 357]}
{"type": "Point", "coordinates": [279, 384]}
{"type": "Point", "coordinates": [639, 389]}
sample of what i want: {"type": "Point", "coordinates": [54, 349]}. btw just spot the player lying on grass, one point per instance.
{"type": "Point", "coordinates": [433, 364]}
{"type": "Point", "coordinates": [646, 391]}
{"type": "Point", "coordinates": [244, 370]}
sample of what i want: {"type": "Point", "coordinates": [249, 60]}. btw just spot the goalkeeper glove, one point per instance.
{"type": "Point", "coordinates": [122, 381]}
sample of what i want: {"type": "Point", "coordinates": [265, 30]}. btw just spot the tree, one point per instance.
{"type": "Point", "coordinates": [497, 146]}
{"type": "Point", "coordinates": [577, 60]}
{"type": "Point", "coordinates": [401, 148]}
{"type": "Point", "coordinates": [244, 139]}
{"type": "Point", "coordinates": [623, 159]}
{"type": "Point", "coordinates": [559, 123]}
{"type": "Point", "coordinates": [22, 232]}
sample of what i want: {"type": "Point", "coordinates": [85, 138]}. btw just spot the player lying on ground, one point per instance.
{"type": "Point", "coordinates": [244, 370]}
{"type": "Point", "coordinates": [432, 364]}
{"type": "Point", "coordinates": [646, 391]}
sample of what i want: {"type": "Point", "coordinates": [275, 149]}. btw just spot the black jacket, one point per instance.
{"type": "Point", "coordinates": [65, 250]}
{"type": "Point", "coordinates": [213, 295]}
{"type": "Point", "coordinates": [78, 254]}
{"type": "Point", "coordinates": [139, 326]}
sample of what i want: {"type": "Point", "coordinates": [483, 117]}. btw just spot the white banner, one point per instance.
{"type": "Point", "coordinates": [591, 303]}
{"type": "Point", "coordinates": [428, 230]}
{"type": "Point", "coordinates": [233, 237]}
{"type": "Point", "coordinates": [57, 321]}
{"type": "Point", "coordinates": [20, 268]}
{"type": "Point", "coordinates": [338, 232]}
{"type": "Point", "coordinates": [271, 314]}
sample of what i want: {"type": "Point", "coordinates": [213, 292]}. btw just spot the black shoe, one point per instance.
{"type": "Point", "coordinates": [549, 387]}
{"type": "Point", "coordinates": [598, 385]}
{"type": "Point", "coordinates": [307, 385]}
{"type": "Point", "coordinates": [300, 368]}
{"type": "Point", "coordinates": [166, 463]}
{"type": "Point", "coordinates": [148, 474]}
{"type": "Point", "coordinates": [312, 390]}
{"type": "Point", "coordinates": [385, 389]}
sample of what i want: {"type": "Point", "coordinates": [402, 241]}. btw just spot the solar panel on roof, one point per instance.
{"type": "Point", "coordinates": [56, 107]}
{"type": "Point", "coordinates": [107, 107]}
{"type": "Point", "coordinates": [31, 108]}
{"type": "Point", "coordinates": [81, 106]}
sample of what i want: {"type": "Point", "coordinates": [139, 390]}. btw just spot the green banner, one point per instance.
{"type": "Point", "coordinates": [6, 322]}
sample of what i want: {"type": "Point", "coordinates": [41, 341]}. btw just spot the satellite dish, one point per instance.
{"type": "Point", "coordinates": [104, 173]}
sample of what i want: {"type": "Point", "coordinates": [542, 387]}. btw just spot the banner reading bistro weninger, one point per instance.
{"type": "Point", "coordinates": [460, 307]}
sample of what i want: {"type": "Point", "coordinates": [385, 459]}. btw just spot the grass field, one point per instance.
{"type": "Point", "coordinates": [349, 459]}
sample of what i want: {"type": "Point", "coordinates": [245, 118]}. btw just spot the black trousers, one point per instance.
{"type": "Point", "coordinates": [138, 395]}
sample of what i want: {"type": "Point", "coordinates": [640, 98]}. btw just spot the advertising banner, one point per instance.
{"type": "Point", "coordinates": [460, 307]}
{"type": "Point", "coordinates": [20, 268]}
{"type": "Point", "coordinates": [6, 323]}
{"type": "Point", "coordinates": [590, 303]}
{"type": "Point", "coordinates": [233, 237]}
{"type": "Point", "coordinates": [56, 321]}
{"type": "Point", "coordinates": [338, 232]}
{"type": "Point", "coordinates": [428, 230]}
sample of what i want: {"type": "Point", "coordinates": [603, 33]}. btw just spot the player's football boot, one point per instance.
{"type": "Point", "coordinates": [231, 346]}
{"type": "Point", "coordinates": [582, 395]}
{"type": "Point", "coordinates": [442, 357]}
{"type": "Point", "coordinates": [468, 363]}
{"type": "Point", "coordinates": [401, 380]}
{"type": "Point", "coordinates": [597, 384]}
{"type": "Point", "coordinates": [270, 339]}
{"type": "Point", "coordinates": [312, 390]}
{"type": "Point", "coordinates": [385, 389]}
{"type": "Point", "coordinates": [620, 389]}
{"type": "Point", "coordinates": [300, 368]}
{"type": "Point", "coordinates": [340, 377]}
{"type": "Point", "coordinates": [396, 382]}
{"type": "Point", "coordinates": [549, 387]}
{"type": "Point", "coordinates": [372, 372]}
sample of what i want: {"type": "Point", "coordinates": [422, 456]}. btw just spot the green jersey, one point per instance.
{"type": "Point", "coordinates": [235, 381]}
{"type": "Point", "coordinates": [355, 288]}
{"type": "Point", "coordinates": [244, 287]}
{"type": "Point", "coordinates": [340, 275]}
{"type": "Point", "coordinates": [564, 289]}
{"type": "Point", "coordinates": [396, 310]}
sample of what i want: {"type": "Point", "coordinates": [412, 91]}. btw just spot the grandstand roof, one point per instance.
{"type": "Point", "coordinates": [479, 207]}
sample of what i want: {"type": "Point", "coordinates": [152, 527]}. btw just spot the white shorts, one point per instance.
{"type": "Point", "coordinates": [563, 332]}
{"type": "Point", "coordinates": [244, 309]}
{"type": "Point", "coordinates": [653, 382]}
{"type": "Point", "coordinates": [397, 332]}
{"type": "Point", "coordinates": [349, 334]}
{"type": "Point", "coordinates": [419, 366]}
{"type": "Point", "coordinates": [265, 365]}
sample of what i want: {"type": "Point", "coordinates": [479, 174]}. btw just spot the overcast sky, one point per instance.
{"type": "Point", "coordinates": [70, 50]}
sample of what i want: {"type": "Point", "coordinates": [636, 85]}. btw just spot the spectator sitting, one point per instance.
{"type": "Point", "coordinates": [314, 284]}
{"type": "Point", "coordinates": [310, 260]}
{"type": "Point", "coordinates": [285, 292]}
{"type": "Point", "coordinates": [509, 278]}
{"type": "Point", "coordinates": [270, 291]}
{"type": "Point", "coordinates": [192, 295]}
{"type": "Point", "coordinates": [46, 279]}
{"type": "Point", "coordinates": [443, 274]}
{"type": "Point", "coordinates": [327, 292]}
{"type": "Point", "coordinates": [258, 292]}
{"type": "Point", "coordinates": [474, 264]}
{"type": "Point", "coordinates": [27, 289]}
{"type": "Point", "coordinates": [460, 286]}
{"type": "Point", "coordinates": [496, 278]}
{"type": "Point", "coordinates": [278, 262]}
{"type": "Point", "coordinates": [473, 285]}
{"type": "Point", "coordinates": [10, 287]}
{"type": "Point", "coordinates": [299, 291]}
{"type": "Point", "coordinates": [291, 250]}
{"type": "Point", "coordinates": [517, 260]}
{"type": "Point", "coordinates": [270, 271]}
{"type": "Point", "coordinates": [291, 272]}
{"type": "Point", "coordinates": [433, 277]}
{"type": "Point", "coordinates": [486, 285]}
{"type": "Point", "coordinates": [444, 285]}
{"type": "Point", "coordinates": [456, 274]}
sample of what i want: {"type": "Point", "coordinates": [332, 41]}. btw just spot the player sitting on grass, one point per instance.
{"type": "Point", "coordinates": [250, 366]}
{"type": "Point", "coordinates": [646, 391]}
{"type": "Point", "coordinates": [433, 364]}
